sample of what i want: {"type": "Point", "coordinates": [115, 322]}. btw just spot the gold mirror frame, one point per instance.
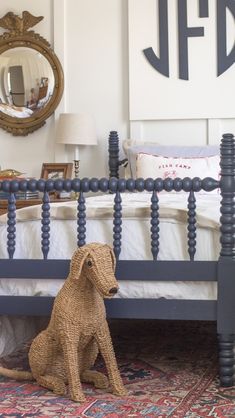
{"type": "Point", "coordinates": [18, 35]}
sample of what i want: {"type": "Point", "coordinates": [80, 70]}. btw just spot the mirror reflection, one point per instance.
{"type": "Point", "coordinates": [26, 82]}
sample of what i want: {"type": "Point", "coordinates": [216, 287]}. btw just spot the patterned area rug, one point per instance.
{"type": "Point", "coordinates": [169, 369]}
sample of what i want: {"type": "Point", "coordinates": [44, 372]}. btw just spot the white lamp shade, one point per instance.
{"type": "Point", "coordinates": [76, 129]}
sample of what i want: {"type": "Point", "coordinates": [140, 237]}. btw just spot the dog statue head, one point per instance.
{"type": "Point", "coordinates": [96, 262]}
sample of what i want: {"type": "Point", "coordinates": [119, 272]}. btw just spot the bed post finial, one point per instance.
{"type": "Point", "coordinates": [227, 184]}
{"type": "Point", "coordinates": [113, 154]}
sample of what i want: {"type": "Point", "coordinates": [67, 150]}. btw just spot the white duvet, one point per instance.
{"type": "Point", "coordinates": [135, 243]}
{"type": "Point", "coordinates": [15, 111]}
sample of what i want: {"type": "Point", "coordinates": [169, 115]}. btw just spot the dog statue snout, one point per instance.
{"type": "Point", "coordinates": [113, 291]}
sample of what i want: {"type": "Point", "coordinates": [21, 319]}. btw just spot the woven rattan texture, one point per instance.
{"type": "Point", "coordinates": [64, 353]}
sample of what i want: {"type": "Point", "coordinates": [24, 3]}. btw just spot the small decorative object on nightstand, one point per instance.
{"type": "Point", "coordinates": [76, 129]}
{"type": "Point", "coordinates": [55, 171]}
{"type": "Point", "coordinates": [9, 173]}
{"type": "Point", "coordinates": [12, 174]}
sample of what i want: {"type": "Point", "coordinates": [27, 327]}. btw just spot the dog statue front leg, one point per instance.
{"type": "Point", "coordinates": [70, 350]}
{"type": "Point", "coordinates": [104, 341]}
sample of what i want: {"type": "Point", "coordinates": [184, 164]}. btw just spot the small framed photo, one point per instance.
{"type": "Point", "coordinates": [56, 171]}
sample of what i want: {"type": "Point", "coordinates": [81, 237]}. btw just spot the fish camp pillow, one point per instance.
{"type": "Point", "coordinates": [148, 165]}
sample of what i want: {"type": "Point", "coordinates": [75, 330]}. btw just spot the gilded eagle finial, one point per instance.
{"type": "Point", "coordinates": [19, 25]}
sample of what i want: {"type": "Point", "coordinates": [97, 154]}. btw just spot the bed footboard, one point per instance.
{"type": "Point", "coordinates": [221, 271]}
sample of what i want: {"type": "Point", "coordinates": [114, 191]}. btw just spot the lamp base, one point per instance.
{"type": "Point", "coordinates": [75, 195]}
{"type": "Point", "coordinates": [76, 168]}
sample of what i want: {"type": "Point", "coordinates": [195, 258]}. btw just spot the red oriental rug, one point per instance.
{"type": "Point", "coordinates": [169, 369]}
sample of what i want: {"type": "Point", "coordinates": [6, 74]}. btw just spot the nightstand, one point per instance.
{"type": "Point", "coordinates": [23, 203]}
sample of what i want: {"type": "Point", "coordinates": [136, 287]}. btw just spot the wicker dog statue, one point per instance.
{"type": "Point", "coordinates": [67, 349]}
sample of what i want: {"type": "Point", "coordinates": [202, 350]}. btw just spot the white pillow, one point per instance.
{"type": "Point", "coordinates": [179, 151]}
{"type": "Point", "coordinates": [154, 166]}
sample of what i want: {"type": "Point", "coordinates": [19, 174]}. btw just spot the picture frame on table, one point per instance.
{"type": "Point", "coordinates": [56, 171]}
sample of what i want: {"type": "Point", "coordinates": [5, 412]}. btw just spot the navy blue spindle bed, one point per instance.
{"type": "Point", "coordinates": [221, 271]}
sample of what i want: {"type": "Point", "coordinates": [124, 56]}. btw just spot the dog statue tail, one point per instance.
{"type": "Point", "coordinates": [16, 374]}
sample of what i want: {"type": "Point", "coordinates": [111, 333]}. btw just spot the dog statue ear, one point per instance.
{"type": "Point", "coordinates": [77, 261]}
{"type": "Point", "coordinates": [113, 257]}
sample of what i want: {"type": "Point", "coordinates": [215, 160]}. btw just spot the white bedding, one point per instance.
{"type": "Point", "coordinates": [14, 111]}
{"type": "Point", "coordinates": [135, 232]}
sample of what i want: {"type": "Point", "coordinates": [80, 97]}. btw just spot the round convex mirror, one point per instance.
{"type": "Point", "coordinates": [27, 82]}
{"type": "Point", "coordinates": [31, 76]}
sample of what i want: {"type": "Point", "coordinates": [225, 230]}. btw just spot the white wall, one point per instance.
{"type": "Point", "coordinates": [91, 39]}
{"type": "Point", "coordinates": [96, 71]}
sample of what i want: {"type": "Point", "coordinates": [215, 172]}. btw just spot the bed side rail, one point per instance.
{"type": "Point", "coordinates": [140, 270]}
{"type": "Point", "coordinates": [118, 308]}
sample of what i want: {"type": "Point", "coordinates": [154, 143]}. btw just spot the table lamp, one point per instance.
{"type": "Point", "coordinates": [76, 129]}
